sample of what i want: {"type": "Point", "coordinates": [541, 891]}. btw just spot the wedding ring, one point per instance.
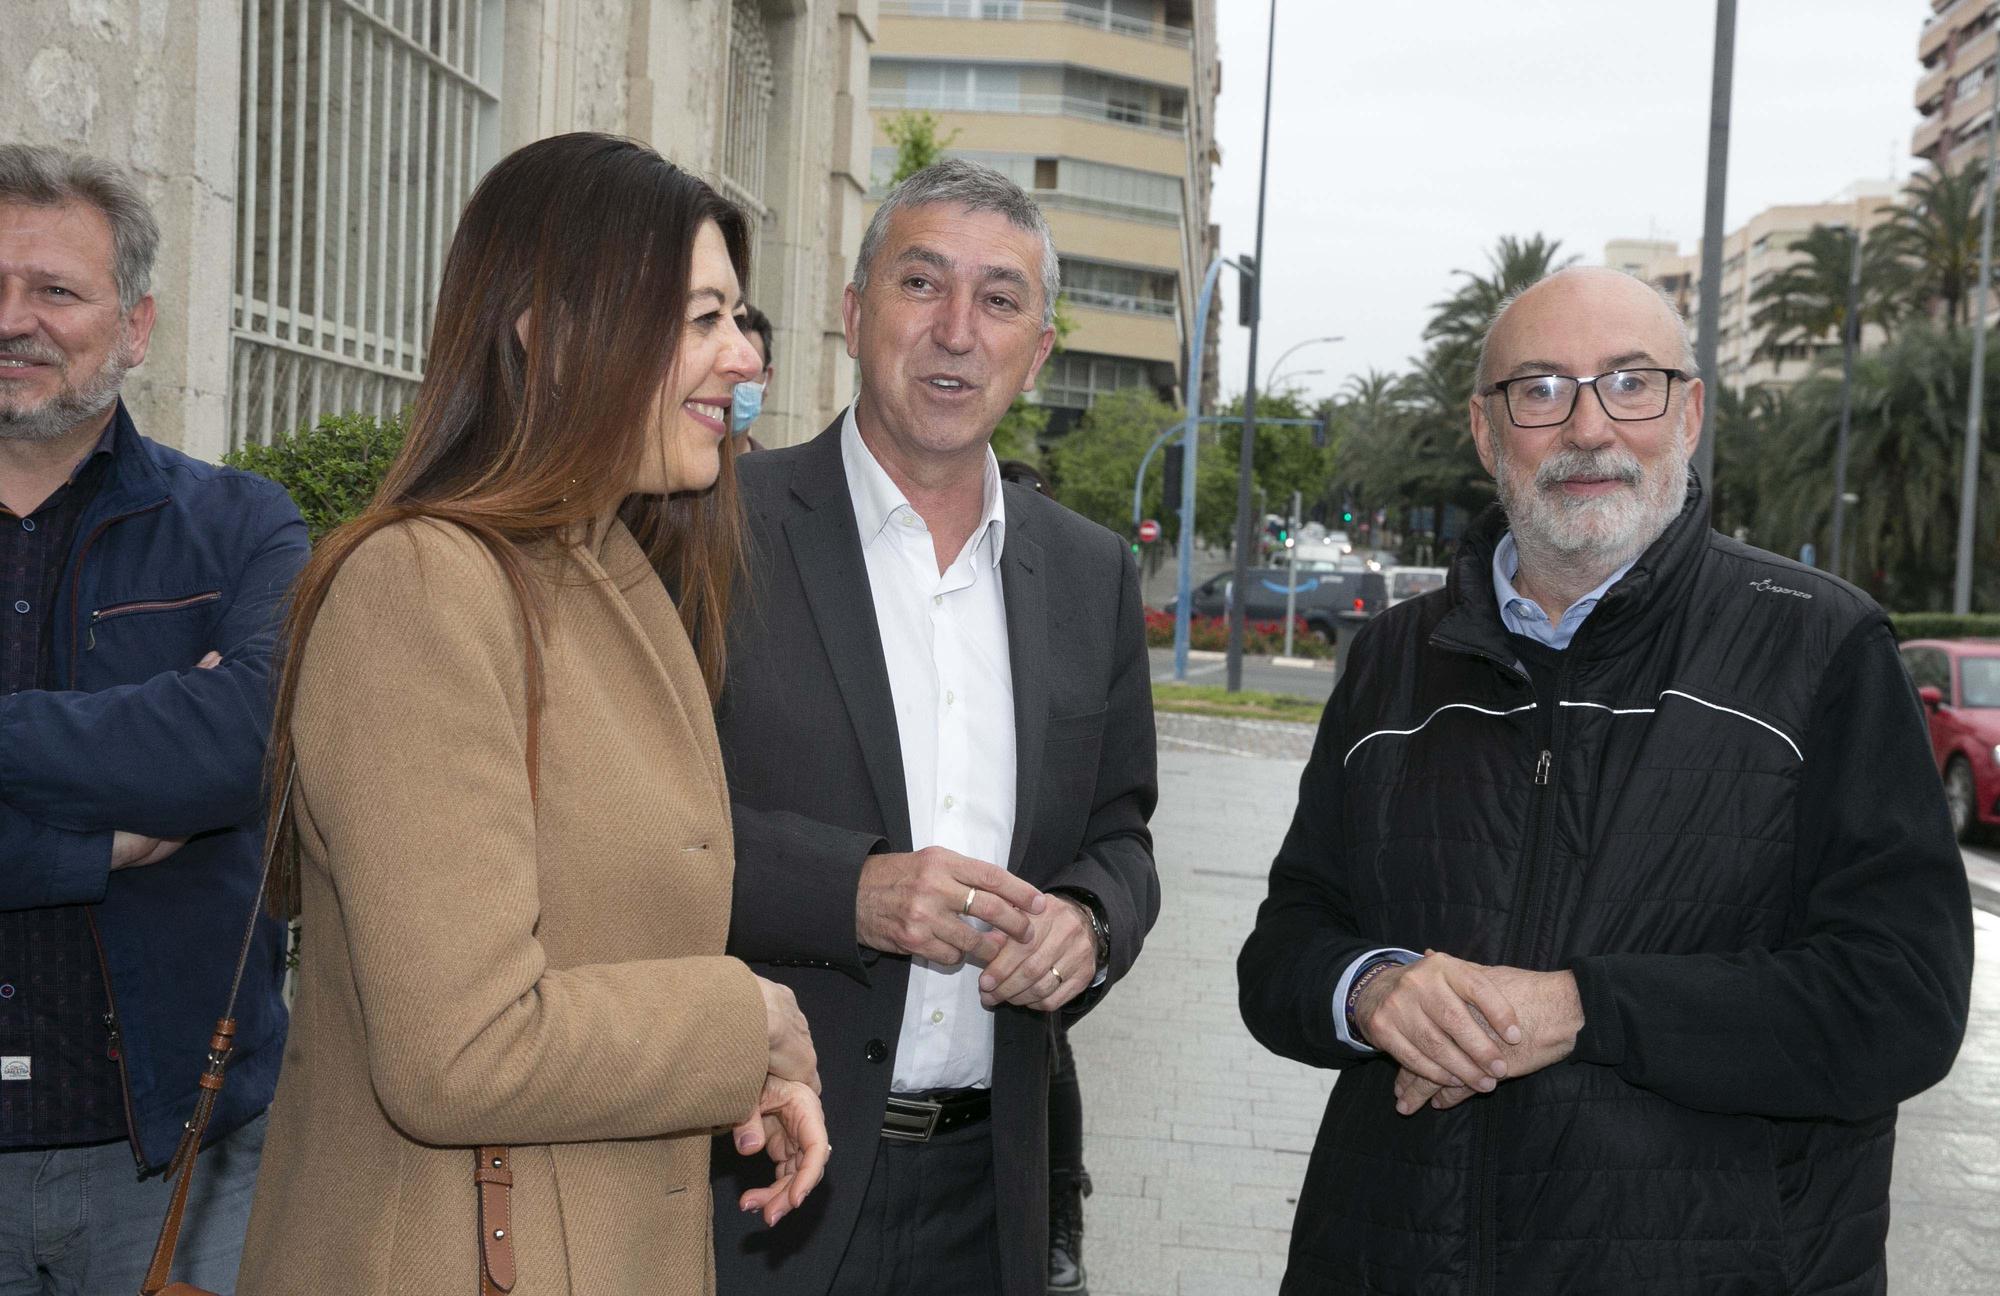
{"type": "Point", "coordinates": [1057, 974]}
{"type": "Point", "coordinates": [971, 893]}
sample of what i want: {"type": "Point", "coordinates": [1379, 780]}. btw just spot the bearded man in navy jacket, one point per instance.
{"type": "Point", "coordinates": [140, 594]}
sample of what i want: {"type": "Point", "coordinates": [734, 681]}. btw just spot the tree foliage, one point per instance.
{"type": "Point", "coordinates": [1805, 301]}
{"type": "Point", "coordinates": [332, 469]}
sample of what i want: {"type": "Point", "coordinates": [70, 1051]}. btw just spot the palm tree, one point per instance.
{"type": "Point", "coordinates": [1935, 231]}
{"type": "Point", "coordinates": [1908, 434]}
{"type": "Point", "coordinates": [1513, 264]}
{"type": "Point", "coordinates": [1806, 301]}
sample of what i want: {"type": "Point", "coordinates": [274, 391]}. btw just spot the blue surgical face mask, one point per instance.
{"type": "Point", "coordinates": [746, 402]}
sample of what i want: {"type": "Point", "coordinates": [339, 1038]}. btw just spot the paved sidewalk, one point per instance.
{"type": "Point", "coordinates": [1197, 1138]}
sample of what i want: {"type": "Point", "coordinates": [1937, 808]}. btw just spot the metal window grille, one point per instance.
{"type": "Point", "coordinates": [364, 126]}
{"type": "Point", "coordinates": [746, 114]}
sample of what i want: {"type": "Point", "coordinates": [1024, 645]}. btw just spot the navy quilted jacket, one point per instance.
{"type": "Point", "coordinates": [174, 558]}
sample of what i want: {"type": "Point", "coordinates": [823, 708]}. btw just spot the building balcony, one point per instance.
{"type": "Point", "coordinates": [1120, 303]}
{"type": "Point", "coordinates": [1925, 141]}
{"type": "Point", "coordinates": [1038, 41]}
{"type": "Point", "coordinates": [1041, 11]}
{"type": "Point", "coordinates": [1030, 105]}
{"type": "Point", "coordinates": [1045, 126]}
{"type": "Point", "coordinates": [1122, 333]}
{"type": "Point", "coordinates": [1938, 28]}
{"type": "Point", "coordinates": [1931, 86]}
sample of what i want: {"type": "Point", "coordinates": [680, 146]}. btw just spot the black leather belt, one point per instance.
{"type": "Point", "coordinates": [915, 1118]}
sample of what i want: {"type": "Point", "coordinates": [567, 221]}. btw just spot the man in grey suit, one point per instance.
{"type": "Point", "coordinates": [939, 733]}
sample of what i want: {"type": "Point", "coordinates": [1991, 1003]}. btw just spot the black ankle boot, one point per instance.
{"type": "Point", "coordinates": [1066, 1194]}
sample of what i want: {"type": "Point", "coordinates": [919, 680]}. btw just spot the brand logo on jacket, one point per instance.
{"type": "Point", "coordinates": [1768, 586]}
{"type": "Point", "coordinates": [16, 1068]}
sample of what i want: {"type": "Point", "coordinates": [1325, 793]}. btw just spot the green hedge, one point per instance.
{"type": "Point", "coordinates": [1944, 625]}
{"type": "Point", "coordinates": [332, 469]}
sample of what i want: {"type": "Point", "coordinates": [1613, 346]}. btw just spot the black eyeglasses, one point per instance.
{"type": "Point", "coordinates": [1626, 395]}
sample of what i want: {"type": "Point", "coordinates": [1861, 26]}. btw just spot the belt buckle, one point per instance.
{"type": "Point", "coordinates": [911, 1120]}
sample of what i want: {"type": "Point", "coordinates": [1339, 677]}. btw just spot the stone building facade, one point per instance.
{"type": "Point", "coordinates": [307, 160]}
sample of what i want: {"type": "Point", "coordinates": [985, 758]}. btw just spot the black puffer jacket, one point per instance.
{"type": "Point", "coordinates": [1730, 829]}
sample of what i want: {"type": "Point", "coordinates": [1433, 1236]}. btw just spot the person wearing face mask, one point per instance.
{"type": "Point", "coordinates": [1621, 888]}
{"type": "Point", "coordinates": [516, 1026]}
{"type": "Point", "coordinates": [747, 398]}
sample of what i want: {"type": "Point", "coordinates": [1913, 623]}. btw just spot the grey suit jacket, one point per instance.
{"type": "Point", "coordinates": [808, 730]}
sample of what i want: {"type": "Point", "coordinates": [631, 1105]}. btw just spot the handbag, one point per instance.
{"type": "Point", "coordinates": [492, 1167]}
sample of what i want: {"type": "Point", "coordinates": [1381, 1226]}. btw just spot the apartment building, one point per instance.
{"type": "Point", "coordinates": [1954, 91]}
{"type": "Point", "coordinates": [308, 160]}
{"type": "Point", "coordinates": [1105, 111]}
{"type": "Point", "coordinates": [1751, 254]}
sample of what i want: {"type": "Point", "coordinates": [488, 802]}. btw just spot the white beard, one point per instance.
{"type": "Point", "coordinates": [1599, 534]}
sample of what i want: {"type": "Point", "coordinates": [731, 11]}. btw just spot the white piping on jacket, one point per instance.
{"type": "Point", "coordinates": [1449, 706]}
{"type": "Point", "coordinates": [1713, 706]}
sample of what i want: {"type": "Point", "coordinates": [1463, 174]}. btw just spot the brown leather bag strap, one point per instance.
{"type": "Point", "coordinates": [493, 1178]}
{"type": "Point", "coordinates": [220, 1044]}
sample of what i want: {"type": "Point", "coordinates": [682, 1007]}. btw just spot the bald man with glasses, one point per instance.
{"type": "Point", "coordinates": [1620, 888]}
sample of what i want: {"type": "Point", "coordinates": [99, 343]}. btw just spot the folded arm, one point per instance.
{"type": "Point", "coordinates": [188, 743]}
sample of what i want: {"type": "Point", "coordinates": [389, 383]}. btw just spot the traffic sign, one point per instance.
{"type": "Point", "coordinates": [1149, 531]}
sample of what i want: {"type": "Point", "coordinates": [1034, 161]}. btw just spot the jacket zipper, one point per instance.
{"type": "Point", "coordinates": [151, 605]}
{"type": "Point", "coordinates": [1527, 927]}
{"type": "Point", "coordinates": [76, 576]}
{"type": "Point", "coordinates": [117, 1044]}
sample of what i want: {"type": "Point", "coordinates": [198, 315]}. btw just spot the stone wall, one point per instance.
{"type": "Point", "coordinates": [152, 84]}
{"type": "Point", "coordinates": [155, 84]}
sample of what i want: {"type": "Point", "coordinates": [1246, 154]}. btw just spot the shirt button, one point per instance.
{"type": "Point", "coordinates": [949, 802]}
{"type": "Point", "coordinates": [27, 524]}
{"type": "Point", "coordinates": [20, 605]}
{"type": "Point", "coordinates": [950, 697]}
{"type": "Point", "coordinates": [937, 1016]}
{"type": "Point", "coordinates": [938, 599]}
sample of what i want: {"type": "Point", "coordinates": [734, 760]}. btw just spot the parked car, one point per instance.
{"type": "Point", "coordinates": [1959, 681]}
{"type": "Point", "coordinates": [1408, 582]}
{"type": "Point", "coordinates": [1324, 599]}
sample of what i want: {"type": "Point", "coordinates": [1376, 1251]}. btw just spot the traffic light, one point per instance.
{"type": "Point", "coordinates": [1322, 434]}
{"type": "Point", "coordinates": [1246, 307]}
{"type": "Point", "coordinates": [1347, 515]}
{"type": "Point", "coordinates": [1171, 490]}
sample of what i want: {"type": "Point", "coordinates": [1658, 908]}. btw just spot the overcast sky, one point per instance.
{"type": "Point", "coordinates": [1406, 138]}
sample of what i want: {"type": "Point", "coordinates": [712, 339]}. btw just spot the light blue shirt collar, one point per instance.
{"type": "Point", "coordinates": [1523, 616]}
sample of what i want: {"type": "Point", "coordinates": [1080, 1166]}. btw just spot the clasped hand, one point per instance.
{"type": "Point", "coordinates": [1039, 953]}
{"type": "Point", "coordinates": [788, 1123]}
{"type": "Point", "coordinates": [1457, 1029]}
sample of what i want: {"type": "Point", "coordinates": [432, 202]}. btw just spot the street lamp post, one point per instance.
{"type": "Point", "coordinates": [1968, 484]}
{"type": "Point", "coordinates": [1245, 461]}
{"type": "Point", "coordinates": [1711, 235]}
{"type": "Point", "coordinates": [1271, 386]}
{"type": "Point", "coordinates": [1300, 346]}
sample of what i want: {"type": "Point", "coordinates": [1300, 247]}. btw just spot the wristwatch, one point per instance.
{"type": "Point", "coordinates": [1100, 926]}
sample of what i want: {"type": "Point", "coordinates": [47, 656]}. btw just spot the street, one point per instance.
{"type": "Point", "coordinates": [1197, 1138]}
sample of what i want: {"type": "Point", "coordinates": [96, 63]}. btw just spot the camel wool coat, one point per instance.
{"type": "Point", "coordinates": [479, 965]}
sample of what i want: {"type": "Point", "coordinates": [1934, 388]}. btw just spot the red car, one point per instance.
{"type": "Point", "coordinates": [1959, 681]}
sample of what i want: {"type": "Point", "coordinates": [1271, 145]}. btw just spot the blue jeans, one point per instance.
{"type": "Point", "coordinates": [80, 1222]}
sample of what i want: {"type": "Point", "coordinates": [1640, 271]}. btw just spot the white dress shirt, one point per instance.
{"type": "Point", "coordinates": [944, 639]}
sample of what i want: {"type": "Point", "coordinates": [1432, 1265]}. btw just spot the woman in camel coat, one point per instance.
{"type": "Point", "coordinates": [513, 835]}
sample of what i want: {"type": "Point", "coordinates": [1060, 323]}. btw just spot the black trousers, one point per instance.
{"type": "Point", "coordinates": [1065, 1113]}
{"type": "Point", "coordinates": [927, 1225]}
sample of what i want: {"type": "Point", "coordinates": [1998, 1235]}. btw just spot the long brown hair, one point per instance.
{"type": "Point", "coordinates": [590, 238]}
